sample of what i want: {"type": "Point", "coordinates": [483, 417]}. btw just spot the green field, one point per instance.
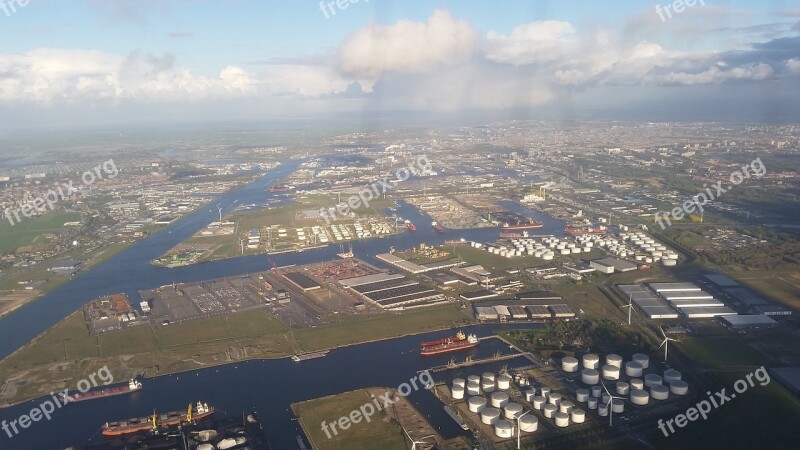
{"type": "Point", "coordinates": [29, 230]}
{"type": "Point", "coordinates": [378, 433]}
{"type": "Point", "coordinates": [383, 327]}
{"type": "Point", "coordinates": [722, 352]}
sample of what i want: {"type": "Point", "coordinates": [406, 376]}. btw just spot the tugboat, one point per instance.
{"type": "Point", "coordinates": [451, 344]}
{"type": "Point", "coordinates": [152, 423]}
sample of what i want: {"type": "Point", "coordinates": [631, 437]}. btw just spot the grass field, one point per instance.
{"type": "Point", "coordinates": [722, 352]}
{"type": "Point", "coordinates": [28, 230]}
{"type": "Point", "coordinates": [378, 433]}
{"type": "Point", "coordinates": [382, 327]}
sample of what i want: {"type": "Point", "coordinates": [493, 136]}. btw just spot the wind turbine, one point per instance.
{"type": "Point", "coordinates": [519, 429]}
{"type": "Point", "coordinates": [609, 405]}
{"type": "Point", "coordinates": [630, 307]}
{"type": "Point", "coordinates": [219, 209]}
{"type": "Point", "coordinates": [413, 442]}
{"type": "Point", "coordinates": [665, 343]}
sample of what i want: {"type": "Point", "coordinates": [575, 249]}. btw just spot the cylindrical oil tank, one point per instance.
{"type": "Point", "coordinates": [590, 376]}
{"type": "Point", "coordinates": [473, 388]}
{"type": "Point", "coordinates": [549, 410]}
{"type": "Point", "coordinates": [488, 376]}
{"type": "Point", "coordinates": [488, 386]}
{"type": "Point", "coordinates": [623, 388]}
{"type": "Point", "coordinates": [554, 398]}
{"type": "Point", "coordinates": [602, 409]}
{"type": "Point", "coordinates": [642, 359]}
{"type": "Point", "coordinates": [596, 390]}
{"type": "Point", "coordinates": [652, 379]}
{"type": "Point", "coordinates": [499, 399]}
{"type": "Point", "coordinates": [545, 391]}
{"type": "Point", "coordinates": [458, 392]}
{"type": "Point", "coordinates": [591, 361]}
{"type": "Point", "coordinates": [473, 379]}
{"type": "Point", "coordinates": [614, 360]}
{"type": "Point", "coordinates": [582, 395]}
{"type": "Point", "coordinates": [476, 404]}
{"type": "Point", "coordinates": [637, 383]}
{"type": "Point", "coordinates": [538, 402]}
{"type": "Point", "coordinates": [591, 403]}
{"type": "Point", "coordinates": [578, 415]}
{"type": "Point", "coordinates": [566, 406]}
{"type": "Point", "coordinates": [529, 395]}
{"type": "Point", "coordinates": [460, 382]}
{"type": "Point", "coordinates": [679, 387]}
{"type": "Point", "coordinates": [569, 364]}
{"type": "Point", "coordinates": [659, 392]}
{"type": "Point", "coordinates": [639, 397]}
{"type": "Point", "coordinates": [512, 410]}
{"type": "Point", "coordinates": [617, 405]}
{"type": "Point", "coordinates": [562, 419]}
{"type": "Point", "coordinates": [633, 369]}
{"type": "Point", "coordinates": [605, 398]}
{"type": "Point", "coordinates": [610, 372]}
{"type": "Point", "coordinates": [490, 416]}
{"type": "Point", "coordinates": [671, 375]}
{"type": "Point", "coordinates": [503, 429]}
{"type": "Point", "coordinates": [529, 423]}
{"type": "Point", "coordinates": [504, 382]}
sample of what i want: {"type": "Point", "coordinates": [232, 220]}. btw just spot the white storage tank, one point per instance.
{"type": "Point", "coordinates": [605, 397]}
{"type": "Point", "coordinates": [602, 409]}
{"type": "Point", "coordinates": [642, 359]}
{"type": "Point", "coordinates": [679, 387]}
{"type": "Point", "coordinates": [504, 382]}
{"type": "Point", "coordinates": [639, 397]}
{"type": "Point", "coordinates": [623, 388]}
{"type": "Point", "coordinates": [652, 379]}
{"type": "Point", "coordinates": [591, 403]}
{"type": "Point", "coordinates": [566, 406]}
{"type": "Point", "coordinates": [637, 383]}
{"type": "Point", "coordinates": [669, 262]}
{"type": "Point", "coordinates": [512, 410]}
{"type": "Point", "coordinates": [488, 386]}
{"type": "Point", "coordinates": [530, 394]}
{"type": "Point", "coordinates": [569, 364]}
{"type": "Point", "coordinates": [490, 416]}
{"type": "Point", "coordinates": [473, 388]}
{"type": "Point", "coordinates": [582, 395]}
{"type": "Point", "coordinates": [549, 410]}
{"type": "Point", "coordinates": [562, 419]}
{"type": "Point", "coordinates": [565, 251]}
{"type": "Point", "coordinates": [548, 256]}
{"type": "Point", "coordinates": [591, 361]}
{"type": "Point", "coordinates": [488, 376]}
{"type": "Point", "coordinates": [473, 379]}
{"type": "Point", "coordinates": [614, 360]}
{"type": "Point", "coordinates": [590, 376]}
{"type": "Point", "coordinates": [578, 416]}
{"type": "Point", "coordinates": [476, 404]}
{"type": "Point", "coordinates": [458, 392]}
{"type": "Point", "coordinates": [503, 429]}
{"type": "Point", "coordinates": [659, 392]}
{"type": "Point", "coordinates": [671, 375]}
{"type": "Point", "coordinates": [617, 405]}
{"type": "Point", "coordinates": [499, 399]}
{"type": "Point", "coordinates": [610, 372]}
{"type": "Point", "coordinates": [545, 391]}
{"type": "Point", "coordinates": [596, 390]}
{"type": "Point", "coordinates": [538, 402]}
{"type": "Point", "coordinates": [633, 369]}
{"type": "Point", "coordinates": [459, 382]}
{"type": "Point", "coordinates": [529, 423]}
{"type": "Point", "coordinates": [554, 398]}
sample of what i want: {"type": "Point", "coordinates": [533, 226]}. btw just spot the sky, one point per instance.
{"type": "Point", "coordinates": [84, 63]}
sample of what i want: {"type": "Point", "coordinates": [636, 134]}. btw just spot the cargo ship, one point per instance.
{"type": "Point", "coordinates": [152, 423]}
{"type": "Point", "coordinates": [451, 344]}
{"type": "Point", "coordinates": [306, 356]}
{"type": "Point", "coordinates": [410, 225]}
{"type": "Point", "coordinates": [581, 230]}
{"type": "Point", "coordinates": [437, 227]}
{"type": "Point", "coordinates": [132, 386]}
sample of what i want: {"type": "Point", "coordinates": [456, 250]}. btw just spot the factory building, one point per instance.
{"type": "Point", "coordinates": [740, 322]}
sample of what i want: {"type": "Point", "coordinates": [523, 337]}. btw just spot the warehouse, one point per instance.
{"type": "Point", "coordinates": [697, 295]}
{"type": "Point", "coordinates": [561, 311]}
{"type": "Point", "coordinates": [721, 280]}
{"type": "Point", "coordinates": [538, 295]}
{"type": "Point", "coordinates": [772, 310]}
{"type": "Point", "coordinates": [745, 297]}
{"type": "Point", "coordinates": [747, 321]}
{"type": "Point", "coordinates": [659, 312]}
{"type": "Point", "coordinates": [518, 313]}
{"type": "Point", "coordinates": [707, 312]}
{"type": "Point", "coordinates": [609, 265]}
{"type": "Point", "coordinates": [302, 281]}
{"type": "Point", "coordinates": [478, 295]}
{"type": "Point", "coordinates": [695, 303]}
{"type": "Point", "coordinates": [539, 312]}
{"type": "Point", "coordinates": [674, 287]}
{"type": "Point", "coordinates": [483, 313]}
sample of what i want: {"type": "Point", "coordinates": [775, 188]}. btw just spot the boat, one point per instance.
{"type": "Point", "coordinates": [311, 355]}
{"type": "Point", "coordinates": [522, 225]}
{"type": "Point", "coordinates": [437, 227]}
{"type": "Point", "coordinates": [410, 225]}
{"type": "Point", "coordinates": [513, 234]}
{"type": "Point", "coordinates": [581, 230]}
{"type": "Point", "coordinates": [132, 386]}
{"type": "Point", "coordinates": [459, 342]}
{"type": "Point", "coordinates": [152, 423]}
{"type": "Point", "coordinates": [455, 417]}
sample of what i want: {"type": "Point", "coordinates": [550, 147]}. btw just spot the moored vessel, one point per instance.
{"type": "Point", "coordinates": [132, 386]}
{"type": "Point", "coordinates": [451, 344]}
{"type": "Point", "coordinates": [152, 423]}
{"type": "Point", "coordinates": [437, 227]}
{"type": "Point", "coordinates": [410, 225]}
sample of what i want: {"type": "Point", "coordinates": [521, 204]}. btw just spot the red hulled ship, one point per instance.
{"type": "Point", "coordinates": [410, 225]}
{"type": "Point", "coordinates": [451, 344]}
{"type": "Point", "coordinates": [437, 227]}
{"type": "Point", "coordinates": [132, 386]}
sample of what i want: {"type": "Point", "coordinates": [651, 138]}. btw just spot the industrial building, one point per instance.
{"type": "Point", "coordinates": [538, 295]}
{"type": "Point", "coordinates": [610, 265]}
{"type": "Point", "coordinates": [707, 312]}
{"type": "Point", "coordinates": [302, 281]}
{"type": "Point", "coordinates": [739, 322]}
{"type": "Point", "coordinates": [649, 303]}
{"type": "Point", "coordinates": [660, 288]}
{"type": "Point", "coordinates": [772, 310]}
{"type": "Point", "coordinates": [478, 295]}
{"type": "Point", "coordinates": [392, 291]}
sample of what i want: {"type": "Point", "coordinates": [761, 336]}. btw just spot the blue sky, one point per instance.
{"type": "Point", "coordinates": [82, 61]}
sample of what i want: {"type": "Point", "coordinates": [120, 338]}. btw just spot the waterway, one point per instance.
{"type": "Point", "coordinates": [266, 386]}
